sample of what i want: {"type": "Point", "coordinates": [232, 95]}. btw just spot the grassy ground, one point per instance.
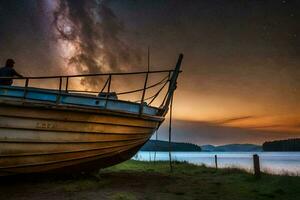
{"type": "Point", "coordinates": [143, 180]}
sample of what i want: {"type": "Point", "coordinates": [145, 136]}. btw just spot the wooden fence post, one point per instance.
{"type": "Point", "coordinates": [256, 165]}
{"type": "Point", "coordinates": [216, 161]}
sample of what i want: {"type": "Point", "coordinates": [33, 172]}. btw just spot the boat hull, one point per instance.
{"type": "Point", "coordinates": [39, 139]}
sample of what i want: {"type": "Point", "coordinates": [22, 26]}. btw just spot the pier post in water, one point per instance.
{"type": "Point", "coordinates": [216, 161]}
{"type": "Point", "coordinates": [256, 165]}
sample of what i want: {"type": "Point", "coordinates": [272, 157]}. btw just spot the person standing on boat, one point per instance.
{"type": "Point", "coordinates": [8, 71]}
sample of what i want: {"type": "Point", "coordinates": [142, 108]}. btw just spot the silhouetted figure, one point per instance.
{"type": "Point", "coordinates": [8, 71]}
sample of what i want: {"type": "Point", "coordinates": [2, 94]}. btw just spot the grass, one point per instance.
{"type": "Point", "coordinates": [123, 196]}
{"type": "Point", "coordinates": [133, 180]}
{"type": "Point", "coordinates": [80, 185]}
{"type": "Point", "coordinates": [201, 182]}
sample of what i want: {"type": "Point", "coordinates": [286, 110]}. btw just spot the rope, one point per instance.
{"type": "Point", "coordinates": [170, 134]}
{"type": "Point", "coordinates": [106, 82]}
{"type": "Point", "coordinates": [156, 95]}
{"type": "Point", "coordinates": [138, 90]}
{"type": "Point", "coordinates": [127, 92]}
{"type": "Point", "coordinates": [165, 98]}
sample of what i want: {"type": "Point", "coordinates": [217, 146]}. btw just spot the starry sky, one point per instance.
{"type": "Point", "coordinates": [241, 70]}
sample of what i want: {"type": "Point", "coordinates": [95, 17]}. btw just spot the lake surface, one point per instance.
{"type": "Point", "coordinates": [271, 162]}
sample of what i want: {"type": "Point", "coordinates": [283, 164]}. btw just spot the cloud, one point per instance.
{"type": "Point", "coordinates": [232, 120]}
{"type": "Point", "coordinates": [278, 127]}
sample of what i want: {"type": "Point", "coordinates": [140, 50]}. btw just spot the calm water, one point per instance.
{"type": "Point", "coordinates": [272, 162]}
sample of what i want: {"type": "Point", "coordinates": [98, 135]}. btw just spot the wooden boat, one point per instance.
{"type": "Point", "coordinates": [45, 131]}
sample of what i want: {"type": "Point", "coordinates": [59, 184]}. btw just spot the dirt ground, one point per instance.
{"type": "Point", "coordinates": [110, 185]}
{"type": "Point", "coordinates": [134, 180]}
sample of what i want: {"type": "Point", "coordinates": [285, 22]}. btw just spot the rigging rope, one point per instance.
{"type": "Point", "coordinates": [170, 134]}
{"type": "Point", "coordinates": [157, 93]}
{"type": "Point", "coordinates": [106, 82]}
{"type": "Point", "coordinates": [127, 92]}
{"type": "Point", "coordinates": [153, 97]}
{"type": "Point", "coordinates": [148, 87]}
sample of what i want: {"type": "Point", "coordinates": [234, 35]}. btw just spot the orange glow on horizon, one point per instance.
{"type": "Point", "coordinates": [234, 112]}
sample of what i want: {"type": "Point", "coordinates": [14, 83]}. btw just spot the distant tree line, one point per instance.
{"type": "Point", "coordinates": [282, 145]}
{"type": "Point", "coordinates": [158, 145]}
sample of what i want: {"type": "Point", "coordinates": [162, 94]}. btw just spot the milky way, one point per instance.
{"type": "Point", "coordinates": [241, 66]}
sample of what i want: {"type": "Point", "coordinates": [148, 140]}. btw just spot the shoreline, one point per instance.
{"type": "Point", "coordinates": [284, 163]}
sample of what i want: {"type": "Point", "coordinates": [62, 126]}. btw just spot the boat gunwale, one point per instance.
{"type": "Point", "coordinates": [63, 92]}
{"type": "Point", "coordinates": [78, 121]}
{"type": "Point", "coordinates": [75, 108]}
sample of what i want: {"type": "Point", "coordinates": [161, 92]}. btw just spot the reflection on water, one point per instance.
{"type": "Point", "coordinates": [271, 162]}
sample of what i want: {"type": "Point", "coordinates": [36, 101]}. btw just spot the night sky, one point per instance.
{"type": "Point", "coordinates": [241, 70]}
